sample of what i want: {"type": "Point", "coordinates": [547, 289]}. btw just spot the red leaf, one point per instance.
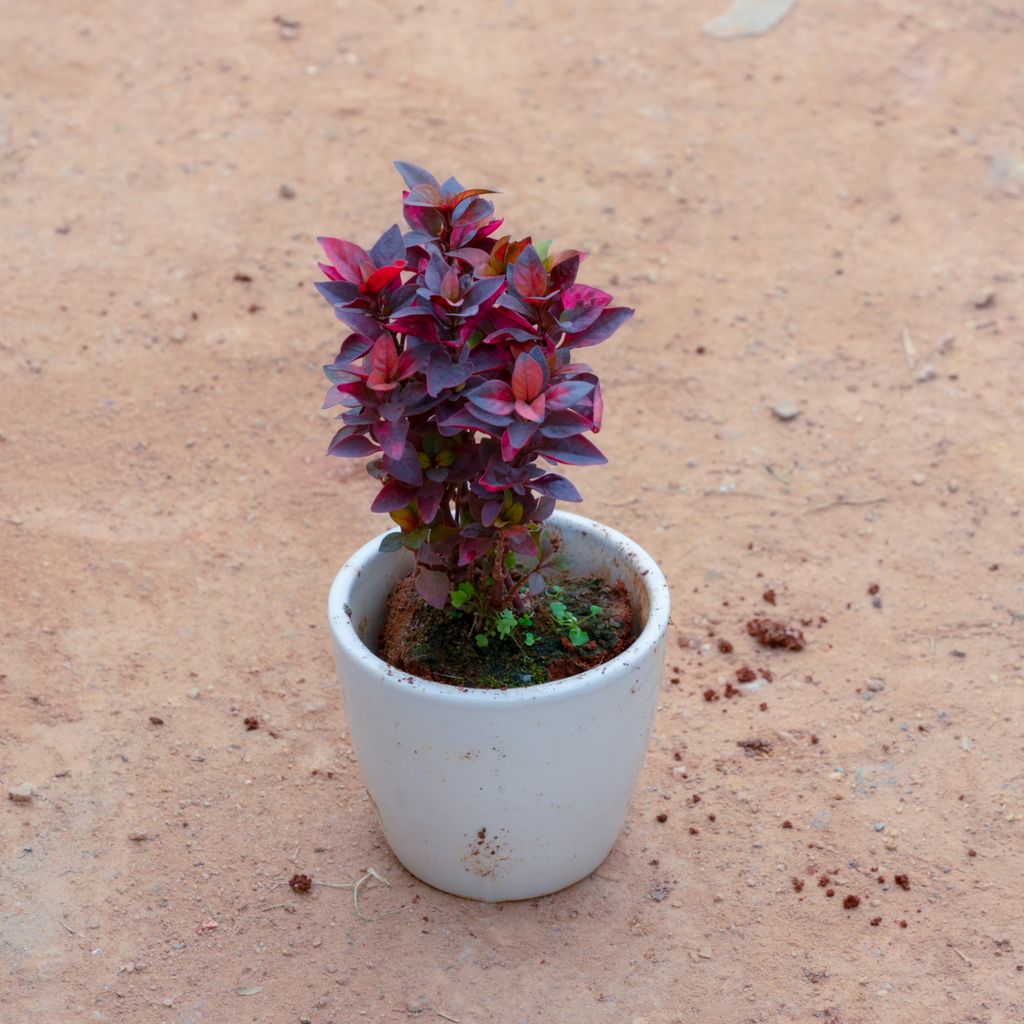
{"type": "Point", "coordinates": [352, 261]}
{"type": "Point", "coordinates": [528, 275]}
{"type": "Point", "coordinates": [380, 279]}
{"type": "Point", "coordinates": [527, 379]}
{"type": "Point", "coordinates": [383, 364]}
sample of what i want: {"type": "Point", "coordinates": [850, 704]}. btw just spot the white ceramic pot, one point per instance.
{"type": "Point", "coordinates": [501, 794]}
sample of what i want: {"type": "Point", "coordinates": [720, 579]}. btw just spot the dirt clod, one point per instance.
{"type": "Point", "coordinates": [770, 633]}
{"type": "Point", "coordinates": [755, 747]}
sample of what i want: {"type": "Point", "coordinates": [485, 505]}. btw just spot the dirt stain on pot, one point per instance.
{"type": "Point", "coordinates": [485, 855]}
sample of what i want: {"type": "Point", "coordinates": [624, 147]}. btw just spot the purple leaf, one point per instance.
{"type": "Point", "coordinates": [391, 437]}
{"type": "Point", "coordinates": [389, 248]}
{"type": "Point", "coordinates": [519, 540]}
{"type": "Point", "coordinates": [573, 451]}
{"type": "Point", "coordinates": [494, 396]}
{"type": "Point", "coordinates": [565, 394]}
{"type": "Point", "coordinates": [332, 398]}
{"type": "Point", "coordinates": [442, 373]}
{"type": "Point", "coordinates": [566, 423]}
{"type": "Point", "coordinates": [465, 419]}
{"type": "Point", "coordinates": [353, 347]}
{"type": "Point", "coordinates": [428, 501]}
{"type": "Point", "coordinates": [518, 435]}
{"type": "Point", "coordinates": [393, 496]}
{"type": "Point", "coordinates": [557, 487]}
{"type": "Point", "coordinates": [413, 175]}
{"type": "Point", "coordinates": [349, 444]}
{"type": "Point", "coordinates": [601, 329]}
{"type": "Point", "coordinates": [338, 293]}
{"type": "Point", "coordinates": [471, 548]}
{"type": "Point", "coordinates": [581, 307]}
{"type": "Point", "coordinates": [360, 321]}
{"type": "Point", "coordinates": [406, 468]}
{"type": "Point", "coordinates": [432, 586]}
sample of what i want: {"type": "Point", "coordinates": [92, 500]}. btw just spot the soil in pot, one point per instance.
{"type": "Point", "coordinates": [441, 645]}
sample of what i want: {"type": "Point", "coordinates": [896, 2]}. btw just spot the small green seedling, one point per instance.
{"type": "Point", "coordinates": [572, 624]}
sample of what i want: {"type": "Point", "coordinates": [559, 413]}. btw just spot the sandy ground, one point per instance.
{"type": "Point", "coordinates": [829, 213]}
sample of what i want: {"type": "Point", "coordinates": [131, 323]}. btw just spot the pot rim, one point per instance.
{"type": "Point", "coordinates": [654, 582]}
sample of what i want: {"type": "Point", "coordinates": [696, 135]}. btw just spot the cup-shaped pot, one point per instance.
{"type": "Point", "coordinates": [501, 794]}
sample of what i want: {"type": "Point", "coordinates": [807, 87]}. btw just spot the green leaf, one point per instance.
{"type": "Point", "coordinates": [543, 248]}
{"type": "Point", "coordinates": [558, 610]}
{"type": "Point", "coordinates": [415, 540]}
{"type": "Point", "coordinates": [529, 639]}
{"type": "Point", "coordinates": [392, 542]}
{"type": "Point", "coordinates": [481, 640]}
{"type": "Point", "coordinates": [510, 560]}
{"type": "Point", "coordinates": [578, 636]}
{"type": "Point", "coordinates": [596, 609]}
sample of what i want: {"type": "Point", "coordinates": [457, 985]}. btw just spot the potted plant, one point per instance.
{"type": "Point", "coordinates": [500, 661]}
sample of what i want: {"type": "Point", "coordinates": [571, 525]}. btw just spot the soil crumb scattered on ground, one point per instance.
{"type": "Point", "coordinates": [770, 633]}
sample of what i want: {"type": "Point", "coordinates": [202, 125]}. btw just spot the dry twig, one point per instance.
{"type": "Point", "coordinates": [846, 501]}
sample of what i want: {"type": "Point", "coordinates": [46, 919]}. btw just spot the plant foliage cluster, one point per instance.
{"type": "Point", "coordinates": [459, 380]}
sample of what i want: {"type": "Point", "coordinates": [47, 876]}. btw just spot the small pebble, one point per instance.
{"type": "Point", "coordinates": [984, 299]}
{"type": "Point", "coordinates": [927, 373]}
{"type": "Point", "coordinates": [21, 794]}
{"type": "Point", "coordinates": [917, 479]}
{"type": "Point", "coordinates": [786, 410]}
{"type": "Point", "coordinates": [876, 685]}
{"type": "Point", "coordinates": [138, 837]}
{"type": "Point", "coordinates": [194, 694]}
{"type": "Point", "coordinates": [286, 192]}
